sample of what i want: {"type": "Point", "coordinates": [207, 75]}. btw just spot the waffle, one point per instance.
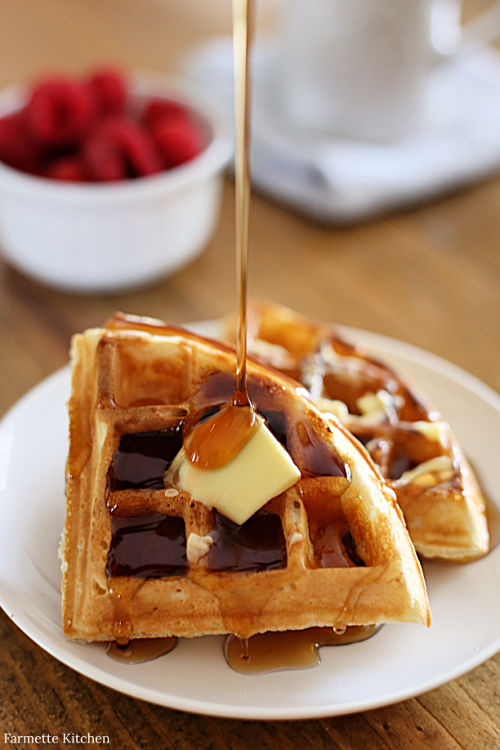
{"type": "Point", "coordinates": [413, 447]}
{"type": "Point", "coordinates": [142, 559]}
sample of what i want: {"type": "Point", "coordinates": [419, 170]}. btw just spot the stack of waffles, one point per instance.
{"type": "Point", "coordinates": [412, 446]}
{"type": "Point", "coordinates": [141, 558]}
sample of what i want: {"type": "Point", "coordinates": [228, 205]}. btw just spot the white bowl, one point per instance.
{"type": "Point", "coordinates": [108, 237]}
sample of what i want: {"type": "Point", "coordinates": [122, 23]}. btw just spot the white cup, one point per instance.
{"type": "Point", "coordinates": [360, 68]}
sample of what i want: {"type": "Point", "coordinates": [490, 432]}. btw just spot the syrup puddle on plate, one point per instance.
{"type": "Point", "coordinates": [291, 649]}
{"type": "Point", "coordinates": [264, 652]}
{"type": "Point", "coordinates": [140, 650]}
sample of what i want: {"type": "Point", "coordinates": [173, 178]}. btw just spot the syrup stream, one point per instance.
{"type": "Point", "coordinates": [241, 41]}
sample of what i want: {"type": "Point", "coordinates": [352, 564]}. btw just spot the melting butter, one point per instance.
{"type": "Point", "coordinates": [333, 406]}
{"type": "Point", "coordinates": [261, 470]}
{"type": "Point", "coordinates": [432, 430]}
{"type": "Point", "coordinates": [375, 407]}
{"type": "Point", "coordinates": [439, 465]}
{"type": "Point", "coordinates": [197, 547]}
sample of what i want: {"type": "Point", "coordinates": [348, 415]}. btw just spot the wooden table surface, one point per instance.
{"type": "Point", "coordinates": [430, 276]}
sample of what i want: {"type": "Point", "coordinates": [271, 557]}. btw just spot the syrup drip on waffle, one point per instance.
{"type": "Point", "coordinates": [208, 446]}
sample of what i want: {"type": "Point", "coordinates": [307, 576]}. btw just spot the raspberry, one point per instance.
{"type": "Point", "coordinates": [16, 147]}
{"type": "Point", "coordinates": [178, 141]}
{"type": "Point", "coordinates": [157, 110]}
{"type": "Point", "coordinates": [120, 149]}
{"type": "Point", "coordinates": [60, 112]}
{"type": "Point", "coordinates": [109, 89]}
{"type": "Point", "coordinates": [68, 169]}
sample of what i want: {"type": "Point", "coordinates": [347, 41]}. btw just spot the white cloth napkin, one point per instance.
{"type": "Point", "coordinates": [341, 180]}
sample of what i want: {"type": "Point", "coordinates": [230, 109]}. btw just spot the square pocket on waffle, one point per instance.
{"type": "Point", "coordinates": [141, 559]}
{"type": "Point", "coordinates": [411, 444]}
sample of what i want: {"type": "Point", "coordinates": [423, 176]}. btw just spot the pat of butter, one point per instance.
{"type": "Point", "coordinates": [432, 430]}
{"type": "Point", "coordinates": [437, 465]}
{"type": "Point", "coordinates": [260, 471]}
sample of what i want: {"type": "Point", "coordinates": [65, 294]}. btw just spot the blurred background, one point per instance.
{"type": "Point", "coordinates": [424, 270]}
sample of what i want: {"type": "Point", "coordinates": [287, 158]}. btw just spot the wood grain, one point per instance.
{"type": "Point", "coordinates": [429, 276]}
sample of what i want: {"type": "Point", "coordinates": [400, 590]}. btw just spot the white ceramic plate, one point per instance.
{"type": "Point", "coordinates": [399, 662]}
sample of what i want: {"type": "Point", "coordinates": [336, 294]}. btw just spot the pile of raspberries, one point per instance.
{"type": "Point", "coordinates": [90, 131]}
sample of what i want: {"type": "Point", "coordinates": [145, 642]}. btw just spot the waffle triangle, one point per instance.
{"type": "Point", "coordinates": [142, 561]}
{"type": "Point", "coordinates": [413, 447]}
